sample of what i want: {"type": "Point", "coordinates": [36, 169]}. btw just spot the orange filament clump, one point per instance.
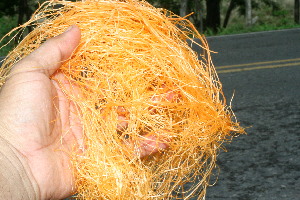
{"type": "Point", "coordinates": [139, 87]}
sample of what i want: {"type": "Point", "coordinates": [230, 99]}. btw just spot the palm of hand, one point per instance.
{"type": "Point", "coordinates": [40, 114]}
{"type": "Point", "coordinates": [34, 114]}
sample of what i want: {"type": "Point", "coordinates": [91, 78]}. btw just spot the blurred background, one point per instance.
{"type": "Point", "coordinates": [211, 17]}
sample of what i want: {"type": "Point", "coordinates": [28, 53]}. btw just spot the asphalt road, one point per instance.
{"type": "Point", "coordinates": [262, 71]}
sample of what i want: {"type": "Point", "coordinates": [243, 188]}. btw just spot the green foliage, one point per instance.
{"type": "Point", "coordinates": [172, 5]}
{"type": "Point", "coordinates": [8, 7]}
{"type": "Point", "coordinates": [7, 24]}
{"type": "Point", "coordinates": [271, 15]}
{"type": "Point", "coordinates": [256, 5]}
{"type": "Point", "coordinates": [241, 28]}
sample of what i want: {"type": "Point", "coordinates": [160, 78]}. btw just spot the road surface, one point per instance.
{"type": "Point", "coordinates": [262, 71]}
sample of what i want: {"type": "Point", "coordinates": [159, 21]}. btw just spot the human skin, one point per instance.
{"type": "Point", "coordinates": [34, 113]}
{"type": "Point", "coordinates": [39, 124]}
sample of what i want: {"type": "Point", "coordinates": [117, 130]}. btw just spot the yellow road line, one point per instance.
{"type": "Point", "coordinates": [256, 68]}
{"type": "Point", "coordinates": [258, 63]}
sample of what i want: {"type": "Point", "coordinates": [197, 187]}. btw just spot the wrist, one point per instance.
{"type": "Point", "coordinates": [16, 180]}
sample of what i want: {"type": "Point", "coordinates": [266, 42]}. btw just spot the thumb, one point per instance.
{"type": "Point", "coordinates": [50, 55]}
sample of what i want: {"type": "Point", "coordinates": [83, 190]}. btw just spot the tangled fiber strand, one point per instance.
{"type": "Point", "coordinates": [136, 77]}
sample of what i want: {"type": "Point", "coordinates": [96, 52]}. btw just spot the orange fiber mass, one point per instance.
{"type": "Point", "coordinates": [136, 77]}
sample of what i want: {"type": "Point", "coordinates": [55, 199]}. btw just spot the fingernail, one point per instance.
{"type": "Point", "coordinates": [68, 29]}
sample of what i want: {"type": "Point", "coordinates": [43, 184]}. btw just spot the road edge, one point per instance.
{"type": "Point", "coordinates": [253, 33]}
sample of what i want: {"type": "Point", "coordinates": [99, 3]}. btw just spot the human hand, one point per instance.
{"type": "Point", "coordinates": [34, 114]}
{"type": "Point", "coordinates": [40, 123]}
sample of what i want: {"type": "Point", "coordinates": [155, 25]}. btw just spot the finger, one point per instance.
{"type": "Point", "coordinates": [150, 145]}
{"type": "Point", "coordinates": [50, 55]}
{"type": "Point", "coordinates": [122, 123]}
{"type": "Point", "coordinates": [122, 119]}
{"type": "Point", "coordinates": [165, 96]}
{"type": "Point", "coordinates": [172, 96]}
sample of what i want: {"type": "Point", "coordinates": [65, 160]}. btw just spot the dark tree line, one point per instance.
{"type": "Point", "coordinates": [207, 13]}
{"type": "Point", "coordinates": [296, 11]}
{"type": "Point", "coordinates": [23, 8]}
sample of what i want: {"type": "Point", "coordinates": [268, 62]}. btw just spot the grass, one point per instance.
{"type": "Point", "coordinates": [265, 19]}
{"type": "Point", "coordinates": [241, 28]}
